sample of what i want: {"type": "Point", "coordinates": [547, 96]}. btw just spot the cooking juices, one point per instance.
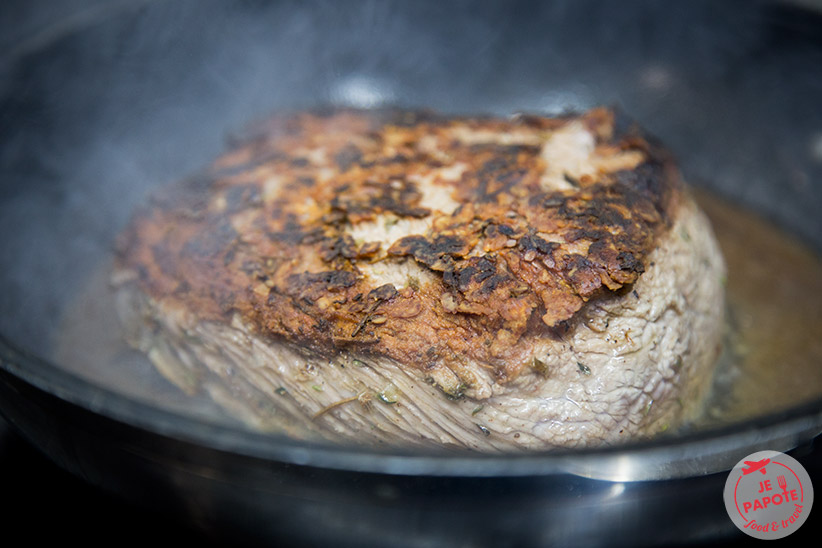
{"type": "Point", "coordinates": [773, 358]}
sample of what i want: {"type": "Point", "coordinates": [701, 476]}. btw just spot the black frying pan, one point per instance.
{"type": "Point", "coordinates": [98, 108]}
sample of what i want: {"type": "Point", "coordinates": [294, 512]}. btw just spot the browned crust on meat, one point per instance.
{"type": "Point", "coordinates": [513, 259]}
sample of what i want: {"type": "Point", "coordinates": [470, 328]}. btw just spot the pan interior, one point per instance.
{"type": "Point", "coordinates": [96, 116]}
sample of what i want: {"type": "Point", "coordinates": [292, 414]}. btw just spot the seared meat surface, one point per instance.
{"type": "Point", "coordinates": [403, 276]}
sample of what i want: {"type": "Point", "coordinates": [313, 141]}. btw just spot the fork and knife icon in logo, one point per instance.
{"type": "Point", "coordinates": [783, 485]}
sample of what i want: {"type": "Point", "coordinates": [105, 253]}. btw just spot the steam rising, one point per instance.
{"type": "Point", "coordinates": [362, 92]}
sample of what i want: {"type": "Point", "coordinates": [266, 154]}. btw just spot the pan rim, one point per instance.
{"type": "Point", "coordinates": [698, 453]}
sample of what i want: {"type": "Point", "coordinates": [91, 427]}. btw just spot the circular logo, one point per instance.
{"type": "Point", "coordinates": [768, 495]}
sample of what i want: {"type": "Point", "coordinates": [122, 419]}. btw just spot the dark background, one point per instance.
{"type": "Point", "coordinates": [44, 503]}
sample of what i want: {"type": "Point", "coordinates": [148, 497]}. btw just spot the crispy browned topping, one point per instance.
{"type": "Point", "coordinates": [510, 225]}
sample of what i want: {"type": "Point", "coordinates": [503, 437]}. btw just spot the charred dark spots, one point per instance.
{"type": "Point", "coordinates": [339, 279]}
{"type": "Point", "coordinates": [493, 230]}
{"type": "Point", "coordinates": [489, 285]}
{"type": "Point", "coordinates": [597, 217]}
{"type": "Point", "coordinates": [383, 293]}
{"type": "Point", "coordinates": [610, 216]}
{"type": "Point", "coordinates": [548, 202]}
{"type": "Point", "coordinates": [310, 237]}
{"type": "Point", "coordinates": [476, 273]}
{"type": "Point", "coordinates": [571, 209]}
{"type": "Point", "coordinates": [303, 304]}
{"type": "Point", "coordinates": [464, 276]}
{"type": "Point", "coordinates": [576, 263]}
{"type": "Point", "coordinates": [426, 251]}
{"type": "Point", "coordinates": [400, 196]}
{"type": "Point", "coordinates": [331, 279]}
{"type": "Point", "coordinates": [375, 298]}
{"type": "Point", "coordinates": [368, 249]}
{"type": "Point", "coordinates": [485, 268]}
{"type": "Point", "coordinates": [628, 262]}
{"type": "Point", "coordinates": [341, 246]}
{"type": "Point", "coordinates": [409, 245]}
{"type": "Point", "coordinates": [493, 173]}
{"type": "Point", "coordinates": [405, 211]}
{"type": "Point", "coordinates": [634, 199]}
{"type": "Point", "coordinates": [585, 234]}
{"type": "Point", "coordinates": [337, 215]}
{"type": "Point", "coordinates": [397, 159]}
{"type": "Point", "coordinates": [646, 181]}
{"type": "Point", "coordinates": [502, 155]}
{"type": "Point", "coordinates": [507, 230]}
{"type": "Point", "coordinates": [532, 242]}
{"type": "Point", "coordinates": [497, 175]}
{"type": "Point", "coordinates": [447, 245]}
{"type": "Point", "coordinates": [460, 276]}
{"type": "Point", "coordinates": [600, 249]}
{"type": "Point", "coordinates": [397, 195]}
{"type": "Point", "coordinates": [523, 284]}
{"type": "Point", "coordinates": [449, 278]}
